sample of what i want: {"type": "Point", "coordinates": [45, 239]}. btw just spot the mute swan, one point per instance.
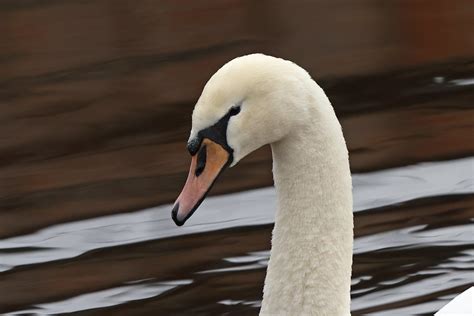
{"type": "Point", "coordinates": [256, 100]}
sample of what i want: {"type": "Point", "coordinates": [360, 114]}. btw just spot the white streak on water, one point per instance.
{"type": "Point", "coordinates": [412, 290]}
{"type": "Point", "coordinates": [463, 82]}
{"type": "Point", "coordinates": [415, 237]}
{"type": "Point", "coordinates": [104, 298]}
{"type": "Point", "coordinates": [254, 207]}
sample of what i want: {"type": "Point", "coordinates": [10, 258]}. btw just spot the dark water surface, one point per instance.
{"type": "Point", "coordinates": [413, 252]}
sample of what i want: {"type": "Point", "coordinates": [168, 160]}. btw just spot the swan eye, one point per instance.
{"type": "Point", "coordinates": [234, 110]}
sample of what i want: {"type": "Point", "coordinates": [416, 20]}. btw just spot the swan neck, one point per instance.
{"type": "Point", "coordinates": [309, 270]}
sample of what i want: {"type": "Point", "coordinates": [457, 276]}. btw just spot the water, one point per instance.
{"type": "Point", "coordinates": [95, 122]}
{"type": "Point", "coordinates": [413, 252]}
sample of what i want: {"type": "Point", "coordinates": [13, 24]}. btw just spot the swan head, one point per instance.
{"type": "Point", "coordinates": [251, 101]}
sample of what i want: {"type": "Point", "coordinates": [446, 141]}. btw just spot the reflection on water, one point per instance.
{"type": "Point", "coordinates": [110, 297]}
{"type": "Point", "coordinates": [255, 207]}
{"type": "Point", "coordinates": [413, 252]}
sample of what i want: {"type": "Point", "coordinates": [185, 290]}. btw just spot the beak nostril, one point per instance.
{"type": "Point", "coordinates": [201, 161]}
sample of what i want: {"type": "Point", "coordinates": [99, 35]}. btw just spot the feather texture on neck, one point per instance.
{"type": "Point", "coordinates": [310, 265]}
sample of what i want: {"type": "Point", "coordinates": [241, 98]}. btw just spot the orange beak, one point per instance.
{"type": "Point", "coordinates": [206, 165]}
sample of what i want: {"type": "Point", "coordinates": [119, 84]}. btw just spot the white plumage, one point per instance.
{"type": "Point", "coordinates": [461, 305]}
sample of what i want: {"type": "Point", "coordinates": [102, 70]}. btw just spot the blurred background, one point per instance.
{"type": "Point", "coordinates": [96, 99]}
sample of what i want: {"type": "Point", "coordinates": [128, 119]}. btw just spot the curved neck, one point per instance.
{"type": "Point", "coordinates": [309, 270]}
